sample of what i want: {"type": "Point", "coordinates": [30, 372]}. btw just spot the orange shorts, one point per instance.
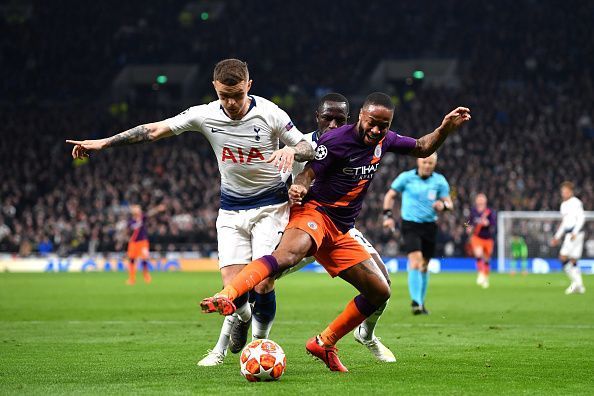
{"type": "Point", "coordinates": [485, 244]}
{"type": "Point", "coordinates": [138, 249]}
{"type": "Point", "coordinates": [334, 250]}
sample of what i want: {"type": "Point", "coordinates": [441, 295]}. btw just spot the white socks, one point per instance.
{"type": "Point", "coordinates": [244, 312]}
{"type": "Point", "coordinates": [223, 341]}
{"type": "Point", "coordinates": [366, 329]}
{"type": "Point", "coordinates": [574, 273]}
{"type": "Point", "coordinates": [260, 330]}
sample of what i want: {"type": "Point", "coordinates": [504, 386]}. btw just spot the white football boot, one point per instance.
{"type": "Point", "coordinates": [375, 346]}
{"type": "Point", "coordinates": [212, 358]}
{"type": "Point", "coordinates": [575, 289]}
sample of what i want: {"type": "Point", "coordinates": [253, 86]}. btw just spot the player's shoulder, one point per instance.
{"type": "Point", "coordinates": [394, 135]}
{"type": "Point", "coordinates": [264, 105]}
{"type": "Point", "coordinates": [336, 136]}
{"type": "Point", "coordinates": [337, 141]}
{"type": "Point", "coordinates": [206, 108]}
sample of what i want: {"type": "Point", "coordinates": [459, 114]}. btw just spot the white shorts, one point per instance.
{"type": "Point", "coordinates": [245, 235]}
{"type": "Point", "coordinates": [572, 249]}
{"type": "Point", "coordinates": [355, 233]}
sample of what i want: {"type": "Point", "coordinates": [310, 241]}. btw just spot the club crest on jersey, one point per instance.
{"type": "Point", "coordinates": [289, 126]}
{"type": "Point", "coordinates": [257, 130]}
{"type": "Point", "coordinates": [321, 152]}
{"type": "Point", "coordinates": [377, 153]}
{"type": "Point", "coordinates": [312, 225]}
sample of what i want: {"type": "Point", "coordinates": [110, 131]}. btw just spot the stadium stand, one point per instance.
{"type": "Point", "coordinates": [530, 97]}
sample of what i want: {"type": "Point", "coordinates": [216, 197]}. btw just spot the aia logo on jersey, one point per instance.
{"type": "Point", "coordinates": [239, 156]}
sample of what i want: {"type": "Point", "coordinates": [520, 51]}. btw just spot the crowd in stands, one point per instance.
{"type": "Point", "coordinates": [526, 80]}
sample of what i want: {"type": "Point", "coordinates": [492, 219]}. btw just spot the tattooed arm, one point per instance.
{"type": "Point", "coordinates": [428, 144]}
{"type": "Point", "coordinates": [304, 151]}
{"type": "Point", "coordinates": [140, 134]}
{"type": "Point", "coordinates": [283, 158]}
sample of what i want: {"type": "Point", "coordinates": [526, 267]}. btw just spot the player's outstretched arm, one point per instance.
{"type": "Point", "coordinates": [428, 144]}
{"type": "Point", "coordinates": [139, 134]}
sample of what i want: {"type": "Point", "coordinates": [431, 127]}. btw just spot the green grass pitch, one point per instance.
{"type": "Point", "coordinates": [88, 333]}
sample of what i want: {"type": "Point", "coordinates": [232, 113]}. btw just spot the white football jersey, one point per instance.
{"type": "Point", "coordinates": [311, 138]}
{"type": "Point", "coordinates": [572, 212]}
{"type": "Point", "coordinates": [242, 147]}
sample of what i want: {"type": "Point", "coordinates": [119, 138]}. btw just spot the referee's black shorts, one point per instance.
{"type": "Point", "coordinates": [419, 236]}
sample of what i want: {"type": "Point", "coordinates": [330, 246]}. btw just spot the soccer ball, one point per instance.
{"type": "Point", "coordinates": [262, 360]}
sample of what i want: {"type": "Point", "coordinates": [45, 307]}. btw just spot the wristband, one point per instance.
{"type": "Point", "coordinates": [388, 214]}
{"type": "Point", "coordinates": [446, 205]}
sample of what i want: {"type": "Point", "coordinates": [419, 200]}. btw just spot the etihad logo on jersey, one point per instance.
{"type": "Point", "coordinates": [240, 156]}
{"type": "Point", "coordinates": [361, 172]}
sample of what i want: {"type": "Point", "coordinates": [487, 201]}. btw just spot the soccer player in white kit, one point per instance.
{"type": "Point", "coordinates": [333, 112]}
{"type": "Point", "coordinates": [571, 230]}
{"type": "Point", "coordinates": [244, 132]}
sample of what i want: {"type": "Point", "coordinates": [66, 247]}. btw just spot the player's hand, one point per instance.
{"type": "Point", "coordinates": [572, 237]}
{"type": "Point", "coordinates": [485, 222]}
{"type": "Point", "coordinates": [82, 147]}
{"type": "Point", "coordinates": [390, 224]}
{"type": "Point", "coordinates": [554, 242]}
{"type": "Point", "coordinates": [438, 205]}
{"type": "Point", "coordinates": [283, 158]}
{"type": "Point", "coordinates": [455, 119]}
{"type": "Point", "coordinates": [296, 194]}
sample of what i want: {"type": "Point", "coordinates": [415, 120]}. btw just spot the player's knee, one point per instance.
{"type": "Point", "coordinates": [415, 261]}
{"type": "Point", "coordinates": [381, 295]}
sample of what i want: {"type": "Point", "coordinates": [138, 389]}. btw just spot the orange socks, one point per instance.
{"type": "Point", "coordinates": [483, 266]}
{"type": "Point", "coordinates": [253, 273]}
{"type": "Point", "coordinates": [131, 272]}
{"type": "Point", "coordinates": [348, 319]}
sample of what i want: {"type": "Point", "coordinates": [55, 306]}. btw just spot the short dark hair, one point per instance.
{"type": "Point", "coordinates": [333, 97]}
{"type": "Point", "coordinates": [231, 72]}
{"type": "Point", "coordinates": [567, 184]}
{"type": "Point", "coordinates": [379, 99]}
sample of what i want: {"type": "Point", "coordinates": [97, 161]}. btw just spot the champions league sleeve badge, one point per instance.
{"type": "Point", "coordinates": [321, 152]}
